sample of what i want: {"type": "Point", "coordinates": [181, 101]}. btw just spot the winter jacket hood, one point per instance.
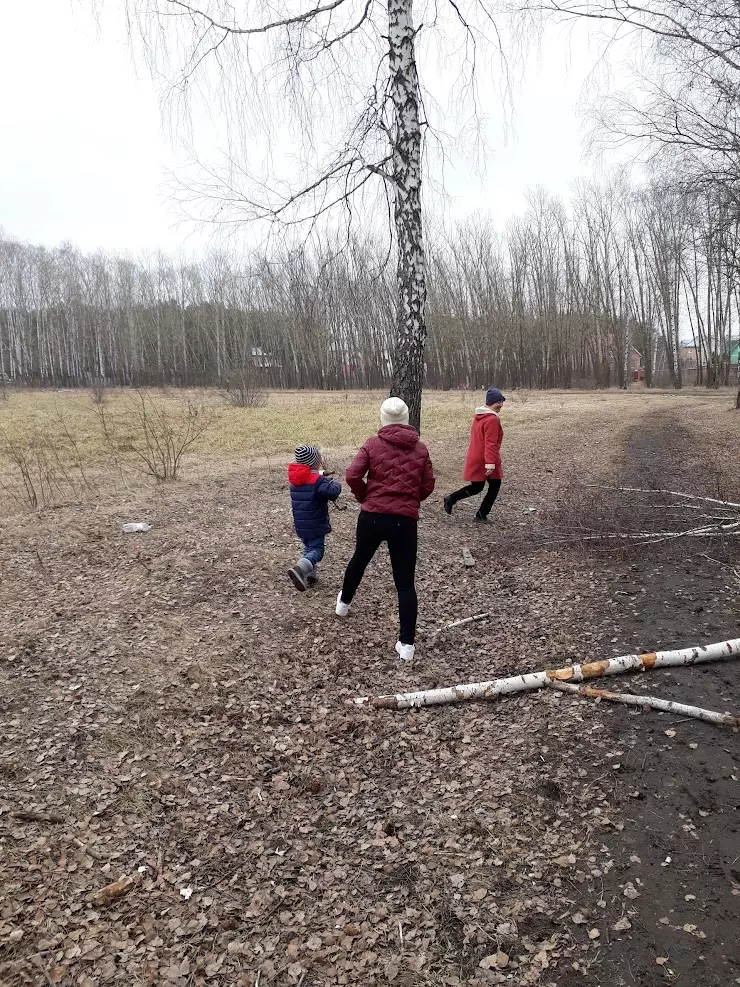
{"type": "Point", "coordinates": [392, 472]}
{"type": "Point", "coordinates": [403, 436]}
{"type": "Point", "coordinates": [299, 475]}
{"type": "Point", "coordinates": [310, 493]}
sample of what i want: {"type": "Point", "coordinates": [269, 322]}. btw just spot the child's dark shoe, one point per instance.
{"type": "Point", "coordinates": [299, 573]}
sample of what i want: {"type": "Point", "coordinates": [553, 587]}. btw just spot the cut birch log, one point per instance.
{"type": "Point", "coordinates": [467, 557]}
{"type": "Point", "coordinates": [664, 705]}
{"type": "Point", "coordinates": [572, 673]}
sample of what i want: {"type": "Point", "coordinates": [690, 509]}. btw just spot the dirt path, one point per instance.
{"type": "Point", "coordinates": [680, 793]}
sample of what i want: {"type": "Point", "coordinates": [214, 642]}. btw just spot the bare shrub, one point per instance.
{"type": "Point", "coordinates": [40, 473]}
{"type": "Point", "coordinates": [33, 479]}
{"type": "Point", "coordinates": [244, 390]}
{"type": "Point", "coordinates": [154, 435]}
{"type": "Point", "coordinates": [98, 393]}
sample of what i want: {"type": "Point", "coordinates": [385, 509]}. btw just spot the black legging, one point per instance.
{"type": "Point", "coordinates": [400, 533]}
{"type": "Point", "coordinates": [475, 488]}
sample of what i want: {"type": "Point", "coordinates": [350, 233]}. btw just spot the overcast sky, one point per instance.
{"type": "Point", "coordinates": [84, 153]}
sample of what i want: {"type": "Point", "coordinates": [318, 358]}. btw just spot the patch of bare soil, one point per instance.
{"type": "Point", "coordinates": [173, 711]}
{"type": "Point", "coordinates": [677, 782]}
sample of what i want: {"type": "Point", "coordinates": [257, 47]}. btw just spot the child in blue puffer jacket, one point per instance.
{"type": "Point", "coordinates": [310, 493]}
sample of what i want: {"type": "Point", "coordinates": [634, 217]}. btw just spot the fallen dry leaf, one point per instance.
{"type": "Point", "coordinates": [497, 960]}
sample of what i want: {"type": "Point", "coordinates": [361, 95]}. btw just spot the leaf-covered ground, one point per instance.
{"type": "Point", "coordinates": [175, 713]}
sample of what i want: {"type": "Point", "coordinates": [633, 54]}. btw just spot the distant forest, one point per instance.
{"type": "Point", "coordinates": [620, 283]}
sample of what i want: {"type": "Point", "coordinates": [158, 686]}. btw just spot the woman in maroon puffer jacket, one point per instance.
{"type": "Point", "coordinates": [390, 476]}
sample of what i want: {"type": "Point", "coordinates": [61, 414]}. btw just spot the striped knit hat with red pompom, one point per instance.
{"type": "Point", "coordinates": [307, 455]}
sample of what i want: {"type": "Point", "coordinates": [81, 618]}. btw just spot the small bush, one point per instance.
{"type": "Point", "coordinates": [155, 435]}
{"type": "Point", "coordinates": [40, 473]}
{"type": "Point", "coordinates": [97, 393]}
{"type": "Point", "coordinates": [244, 390]}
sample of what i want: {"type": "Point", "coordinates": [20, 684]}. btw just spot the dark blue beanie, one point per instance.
{"type": "Point", "coordinates": [494, 396]}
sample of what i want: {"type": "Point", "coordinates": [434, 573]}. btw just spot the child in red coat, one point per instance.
{"type": "Point", "coordinates": [483, 461]}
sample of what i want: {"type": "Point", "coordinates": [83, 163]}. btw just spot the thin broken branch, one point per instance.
{"type": "Point", "coordinates": [459, 623]}
{"type": "Point", "coordinates": [670, 493]}
{"type": "Point", "coordinates": [664, 705]}
{"type": "Point", "coordinates": [27, 815]}
{"type": "Point", "coordinates": [654, 537]}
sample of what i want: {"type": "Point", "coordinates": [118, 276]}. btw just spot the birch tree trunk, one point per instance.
{"type": "Point", "coordinates": [408, 362]}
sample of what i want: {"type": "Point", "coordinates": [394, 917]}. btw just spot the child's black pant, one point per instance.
{"type": "Point", "coordinates": [401, 535]}
{"type": "Point", "coordinates": [475, 488]}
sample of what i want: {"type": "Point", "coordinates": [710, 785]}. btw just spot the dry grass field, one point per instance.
{"type": "Point", "coordinates": [174, 713]}
{"type": "Point", "coordinates": [101, 440]}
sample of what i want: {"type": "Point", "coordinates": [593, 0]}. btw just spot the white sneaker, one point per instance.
{"type": "Point", "coordinates": [405, 651]}
{"type": "Point", "coordinates": [342, 608]}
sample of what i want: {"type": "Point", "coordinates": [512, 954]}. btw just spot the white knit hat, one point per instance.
{"type": "Point", "coordinates": [394, 411]}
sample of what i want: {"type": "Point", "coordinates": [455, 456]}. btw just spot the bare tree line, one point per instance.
{"type": "Point", "coordinates": [567, 295]}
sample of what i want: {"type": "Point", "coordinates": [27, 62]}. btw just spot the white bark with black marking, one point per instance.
{"type": "Point", "coordinates": [571, 673]}
{"type": "Point", "coordinates": [408, 362]}
{"type": "Point", "coordinates": [642, 702]}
